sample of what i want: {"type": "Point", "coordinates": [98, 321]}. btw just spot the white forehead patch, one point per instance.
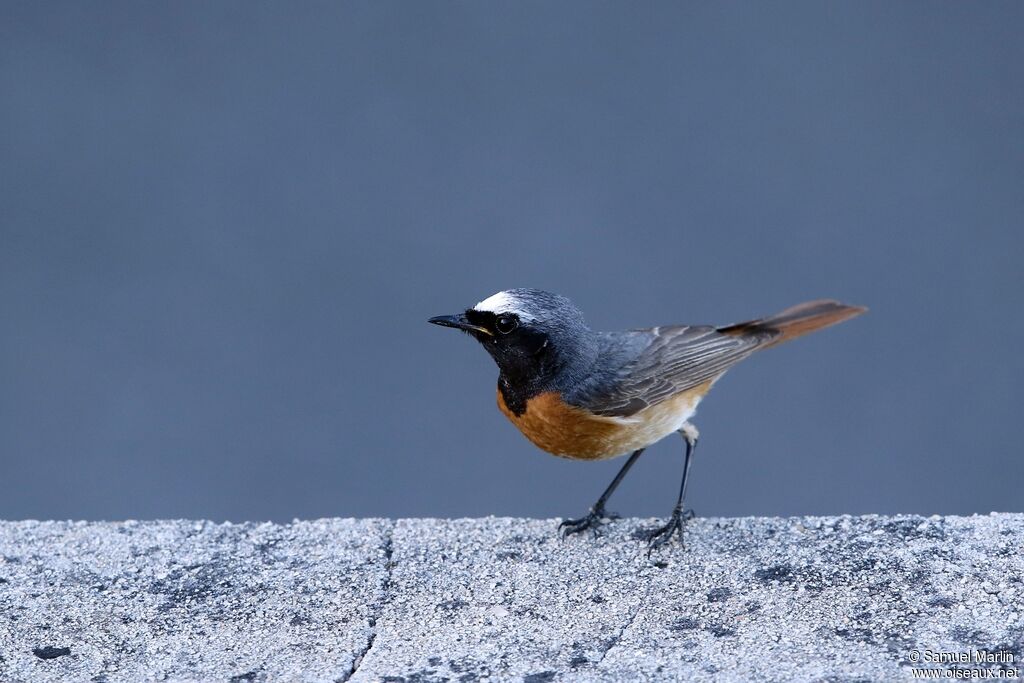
{"type": "Point", "coordinates": [502, 302]}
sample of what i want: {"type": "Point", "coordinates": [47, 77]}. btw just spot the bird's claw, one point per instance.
{"type": "Point", "coordinates": [661, 535]}
{"type": "Point", "coordinates": [594, 520]}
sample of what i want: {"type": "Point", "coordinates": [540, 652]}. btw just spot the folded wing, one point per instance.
{"type": "Point", "coordinates": [664, 361]}
{"type": "Point", "coordinates": [673, 360]}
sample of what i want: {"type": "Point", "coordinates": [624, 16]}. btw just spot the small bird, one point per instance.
{"type": "Point", "coordinates": [587, 395]}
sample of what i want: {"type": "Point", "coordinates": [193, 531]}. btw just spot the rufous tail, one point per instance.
{"type": "Point", "coordinates": [795, 322]}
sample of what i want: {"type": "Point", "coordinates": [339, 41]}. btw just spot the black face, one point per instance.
{"type": "Point", "coordinates": [523, 351]}
{"type": "Point", "coordinates": [504, 335]}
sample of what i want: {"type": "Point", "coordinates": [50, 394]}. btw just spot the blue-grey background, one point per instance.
{"type": "Point", "coordinates": [223, 226]}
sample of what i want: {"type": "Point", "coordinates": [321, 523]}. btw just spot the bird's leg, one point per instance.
{"type": "Point", "coordinates": [597, 514]}
{"type": "Point", "coordinates": [662, 535]}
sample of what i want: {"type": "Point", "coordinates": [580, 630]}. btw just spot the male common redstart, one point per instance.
{"type": "Point", "coordinates": [588, 395]}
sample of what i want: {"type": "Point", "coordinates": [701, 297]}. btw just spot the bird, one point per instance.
{"type": "Point", "coordinates": [588, 395]}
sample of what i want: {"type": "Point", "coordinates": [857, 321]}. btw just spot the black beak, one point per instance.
{"type": "Point", "coordinates": [459, 322]}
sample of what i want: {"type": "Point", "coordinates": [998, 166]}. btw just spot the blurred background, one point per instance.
{"type": "Point", "coordinates": [224, 225]}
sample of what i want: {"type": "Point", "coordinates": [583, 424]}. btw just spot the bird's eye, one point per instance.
{"type": "Point", "coordinates": [505, 324]}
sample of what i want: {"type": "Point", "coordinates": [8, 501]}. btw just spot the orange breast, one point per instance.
{"type": "Point", "coordinates": [571, 432]}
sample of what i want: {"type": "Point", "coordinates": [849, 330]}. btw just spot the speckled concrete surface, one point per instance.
{"type": "Point", "coordinates": [749, 599]}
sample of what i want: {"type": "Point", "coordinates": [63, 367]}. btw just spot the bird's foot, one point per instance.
{"type": "Point", "coordinates": [595, 519]}
{"type": "Point", "coordinates": [663, 534]}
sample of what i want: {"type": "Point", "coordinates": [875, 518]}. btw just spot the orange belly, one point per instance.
{"type": "Point", "coordinates": [571, 432]}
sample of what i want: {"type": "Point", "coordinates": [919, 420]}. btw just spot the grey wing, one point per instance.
{"type": "Point", "coordinates": [673, 360]}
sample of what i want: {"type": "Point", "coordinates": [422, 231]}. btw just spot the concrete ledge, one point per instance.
{"type": "Point", "coordinates": [750, 599]}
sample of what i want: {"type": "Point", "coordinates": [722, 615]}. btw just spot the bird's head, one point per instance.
{"type": "Point", "coordinates": [531, 334]}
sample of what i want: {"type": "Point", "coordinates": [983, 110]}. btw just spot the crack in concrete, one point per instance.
{"type": "Point", "coordinates": [379, 607]}
{"type": "Point", "coordinates": [614, 642]}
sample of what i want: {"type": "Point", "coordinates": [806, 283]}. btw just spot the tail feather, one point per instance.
{"type": "Point", "coordinates": [795, 322]}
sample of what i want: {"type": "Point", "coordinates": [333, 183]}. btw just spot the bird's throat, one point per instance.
{"type": "Point", "coordinates": [516, 394]}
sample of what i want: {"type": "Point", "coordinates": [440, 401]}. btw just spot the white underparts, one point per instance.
{"type": "Point", "coordinates": [690, 432]}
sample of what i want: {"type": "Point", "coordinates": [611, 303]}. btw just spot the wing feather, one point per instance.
{"type": "Point", "coordinates": [674, 359]}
